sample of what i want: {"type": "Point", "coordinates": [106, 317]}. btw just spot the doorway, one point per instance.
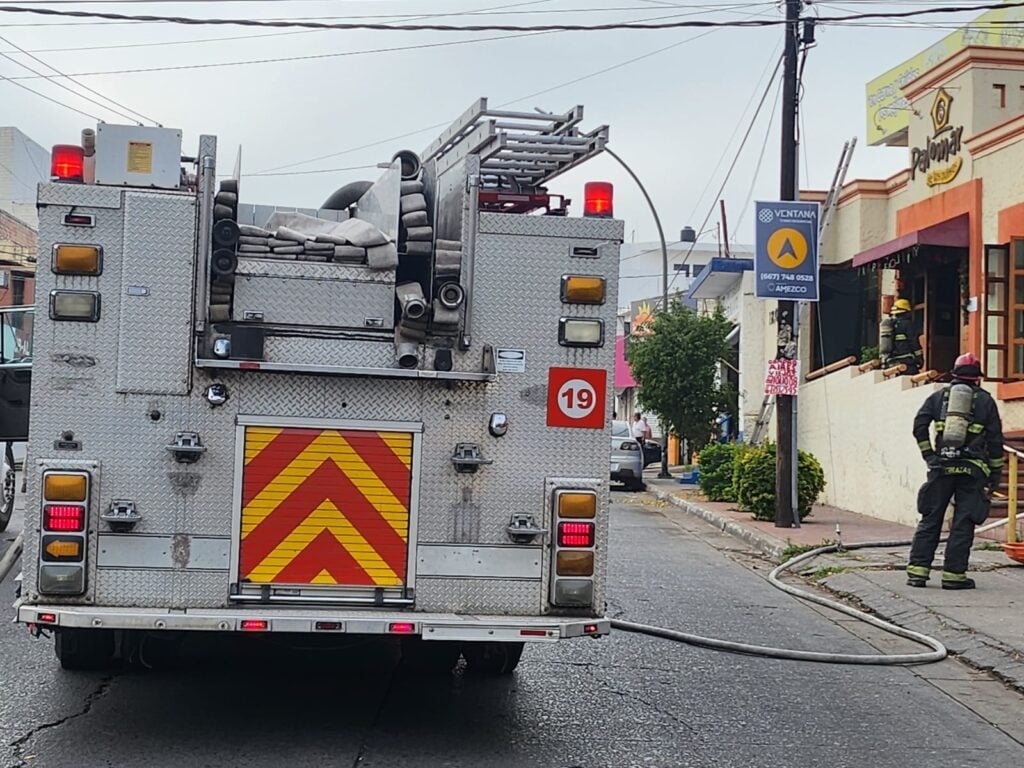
{"type": "Point", "coordinates": [932, 284]}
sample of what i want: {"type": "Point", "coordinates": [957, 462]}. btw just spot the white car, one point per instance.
{"type": "Point", "coordinates": [627, 457]}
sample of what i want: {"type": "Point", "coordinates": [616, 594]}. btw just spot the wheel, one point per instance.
{"type": "Point", "coordinates": [430, 656]}
{"type": "Point", "coordinates": [84, 649]}
{"type": "Point", "coordinates": [8, 487]}
{"type": "Point", "coordinates": [636, 486]}
{"type": "Point", "coordinates": [492, 658]}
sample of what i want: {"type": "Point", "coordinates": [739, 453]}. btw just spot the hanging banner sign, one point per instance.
{"type": "Point", "coordinates": [786, 251]}
{"type": "Point", "coordinates": [783, 377]}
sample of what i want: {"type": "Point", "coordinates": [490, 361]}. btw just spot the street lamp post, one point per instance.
{"type": "Point", "coordinates": [664, 473]}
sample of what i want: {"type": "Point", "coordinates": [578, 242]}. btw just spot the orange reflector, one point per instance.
{"type": "Point", "coordinates": [577, 504]}
{"type": "Point", "coordinates": [575, 564]}
{"type": "Point", "coordinates": [401, 628]}
{"type": "Point", "coordinates": [57, 487]}
{"type": "Point", "coordinates": [63, 548]}
{"type": "Point", "coordinates": [255, 625]}
{"type": "Point", "coordinates": [47, 618]}
{"type": "Point", "coordinates": [583, 289]}
{"type": "Point", "coordinates": [77, 259]}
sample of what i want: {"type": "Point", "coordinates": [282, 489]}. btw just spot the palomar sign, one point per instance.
{"type": "Point", "coordinates": [942, 148]}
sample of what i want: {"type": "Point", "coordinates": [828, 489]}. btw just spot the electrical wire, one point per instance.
{"type": "Point", "coordinates": [52, 79]}
{"type": "Point", "coordinates": [49, 98]}
{"type": "Point", "coordinates": [735, 160]}
{"type": "Point", "coordinates": [637, 25]}
{"type": "Point", "coordinates": [306, 173]}
{"type": "Point", "coordinates": [760, 161]}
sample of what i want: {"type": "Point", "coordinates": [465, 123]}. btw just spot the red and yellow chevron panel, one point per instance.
{"type": "Point", "coordinates": [325, 506]}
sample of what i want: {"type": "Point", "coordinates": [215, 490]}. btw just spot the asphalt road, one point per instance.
{"type": "Point", "coordinates": [620, 701]}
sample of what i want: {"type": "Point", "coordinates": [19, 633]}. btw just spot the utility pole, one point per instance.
{"type": "Point", "coordinates": [786, 316]}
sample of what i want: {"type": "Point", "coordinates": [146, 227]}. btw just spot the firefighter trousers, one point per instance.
{"type": "Point", "coordinates": [972, 507]}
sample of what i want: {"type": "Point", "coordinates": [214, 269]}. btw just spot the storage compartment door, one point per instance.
{"type": "Point", "coordinates": [326, 513]}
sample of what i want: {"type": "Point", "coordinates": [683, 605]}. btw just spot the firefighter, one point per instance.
{"type": "Point", "coordinates": [906, 340]}
{"type": "Point", "coordinates": [965, 465]}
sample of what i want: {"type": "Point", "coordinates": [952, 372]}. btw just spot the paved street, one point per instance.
{"type": "Point", "coordinates": [621, 701]}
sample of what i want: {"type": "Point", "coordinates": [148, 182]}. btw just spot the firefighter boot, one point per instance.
{"type": "Point", "coordinates": [917, 575]}
{"type": "Point", "coordinates": [956, 581]}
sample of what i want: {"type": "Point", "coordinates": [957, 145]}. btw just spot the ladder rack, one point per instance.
{"type": "Point", "coordinates": [519, 151]}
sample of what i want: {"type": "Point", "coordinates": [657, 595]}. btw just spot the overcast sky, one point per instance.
{"type": "Point", "coordinates": [671, 114]}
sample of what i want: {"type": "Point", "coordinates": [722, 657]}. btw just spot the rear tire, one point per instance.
{"type": "Point", "coordinates": [8, 488]}
{"type": "Point", "coordinates": [84, 649]}
{"type": "Point", "coordinates": [433, 657]}
{"type": "Point", "coordinates": [492, 659]}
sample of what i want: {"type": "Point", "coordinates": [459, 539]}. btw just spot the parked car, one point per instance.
{"type": "Point", "coordinates": [652, 452]}
{"type": "Point", "coordinates": [627, 457]}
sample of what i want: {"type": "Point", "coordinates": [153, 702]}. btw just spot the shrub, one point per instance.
{"type": "Point", "coordinates": [867, 354]}
{"type": "Point", "coordinates": [716, 469]}
{"type": "Point", "coordinates": [755, 482]}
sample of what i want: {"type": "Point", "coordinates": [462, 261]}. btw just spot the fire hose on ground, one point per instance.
{"type": "Point", "coordinates": [938, 651]}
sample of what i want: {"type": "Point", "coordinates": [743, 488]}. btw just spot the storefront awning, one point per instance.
{"type": "Point", "coordinates": [718, 278]}
{"type": "Point", "coordinates": [952, 234]}
{"type": "Point", "coordinates": [623, 374]}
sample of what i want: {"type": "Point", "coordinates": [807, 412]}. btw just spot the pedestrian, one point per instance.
{"type": "Point", "coordinates": [638, 426]}
{"type": "Point", "coordinates": [907, 340]}
{"type": "Point", "coordinates": [965, 465]}
{"type": "Point", "coordinates": [648, 433]}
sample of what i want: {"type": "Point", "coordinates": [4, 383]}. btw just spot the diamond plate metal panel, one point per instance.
{"type": "Point", "coordinates": [485, 596]}
{"type": "Point", "coordinates": [297, 301]}
{"type": "Point", "coordinates": [294, 349]}
{"type": "Point", "coordinates": [85, 195]}
{"type": "Point", "coordinates": [560, 227]}
{"type": "Point", "coordinates": [313, 270]}
{"type": "Point", "coordinates": [157, 271]}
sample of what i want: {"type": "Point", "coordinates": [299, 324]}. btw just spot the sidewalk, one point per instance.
{"type": "Point", "coordinates": [984, 627]}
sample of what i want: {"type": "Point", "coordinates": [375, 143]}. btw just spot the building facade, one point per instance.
{"type": "Point", "coordinates": [23, 165]}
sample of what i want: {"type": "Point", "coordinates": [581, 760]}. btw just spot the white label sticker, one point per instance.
{"type": "Point", "coordinates": [511, 360]}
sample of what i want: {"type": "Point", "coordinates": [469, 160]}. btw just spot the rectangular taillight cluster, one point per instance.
{"type": "Point", "coordinates": [582, 331]}
{"type": "Point", "coordinates": [73, 259]}
{"type": "Point", "coordinates": [575, 512]}
{"type": "Point", "coordinates": [65, 524]}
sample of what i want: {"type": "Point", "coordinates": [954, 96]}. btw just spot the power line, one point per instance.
{"type": "Point", "coordinates": [760, 161]}
{"type": "Point", "coordinates": [306, 173]}
{"type": "Point", "coordinates": [642, 25]}
{"type": "Point", "coordinates": [735, 160]}
{"type": "Point", "coordinates": [60, 85]}
{"type": "Point", "coordinates": [49, 98]}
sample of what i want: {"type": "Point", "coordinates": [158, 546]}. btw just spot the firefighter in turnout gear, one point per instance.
{"type": "Point", "coordinates": [904, 345]}
{"type": "Point", "coordinates": [965, 465]}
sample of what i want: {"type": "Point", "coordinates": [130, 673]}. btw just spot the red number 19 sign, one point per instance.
{"type": "Point", "coordinates": [576, 397]}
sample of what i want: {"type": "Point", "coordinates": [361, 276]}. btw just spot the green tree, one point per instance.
{"type": "Point", "coordinates": [676, 368]}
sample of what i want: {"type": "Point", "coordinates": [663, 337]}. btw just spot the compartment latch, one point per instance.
{"type": "Point", "coordinates": [121, 515]}
{"type": "Point", "coordinates": [523, 529]}
{"type": "Point", "coordinates": [468, 458]}
{"type": "Point", "coordinates": [187, 448]}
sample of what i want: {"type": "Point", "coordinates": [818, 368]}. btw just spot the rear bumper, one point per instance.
{"type": "Point", "coordinates": [431, 626]}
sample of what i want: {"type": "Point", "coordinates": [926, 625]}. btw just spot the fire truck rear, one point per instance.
{"type": "Point", "coordinates": [386, 416]}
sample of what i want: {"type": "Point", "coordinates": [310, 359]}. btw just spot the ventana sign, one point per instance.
{"type": "Point", "coordinates": [942, 149]}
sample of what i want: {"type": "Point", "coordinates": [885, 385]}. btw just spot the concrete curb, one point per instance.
{"type": "Point", "coordinates": [768, 545]}
{"type": "Point", "coordinates": [974, 648]}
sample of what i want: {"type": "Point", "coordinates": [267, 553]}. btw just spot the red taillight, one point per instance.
{"type": "Point", "coordinates": [67, 163]}
{"type": "Point", "coordinates": [401, 628]}
{"type": "Point", "coordinates": [255, 625]}
{"type": "Point", "coordinates": [533, 633]}
{"type": "Point", "coordinates": [590, 629]}
{"type": "Point", "coordinates": [64, 517]}
{"type": "Point", "coordinates": [597, 199]}
{"type": "Point", "coordinates": [575, 534]}
{"type": "Point", "coordinates": [47, 618]}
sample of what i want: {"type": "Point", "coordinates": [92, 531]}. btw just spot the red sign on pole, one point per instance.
{"type": "Point", "coordinates": [783, 377]}
{"type": "Point", "coordinates": [576, 397]}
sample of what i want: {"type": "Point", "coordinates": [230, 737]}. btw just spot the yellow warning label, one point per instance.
{"type": "Point", "coordinates": [140, 157]}
{"type": "Point", "coordinates": [787, 248]}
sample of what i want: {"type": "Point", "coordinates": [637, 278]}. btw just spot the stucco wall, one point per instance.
{"type": "Point", "coordinates": [859, 427]}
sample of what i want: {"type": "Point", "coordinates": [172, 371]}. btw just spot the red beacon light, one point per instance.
{"type": "Point", "coordinates": [67, 163]}
{"type": "Point", "coordinates": [597, 199]}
